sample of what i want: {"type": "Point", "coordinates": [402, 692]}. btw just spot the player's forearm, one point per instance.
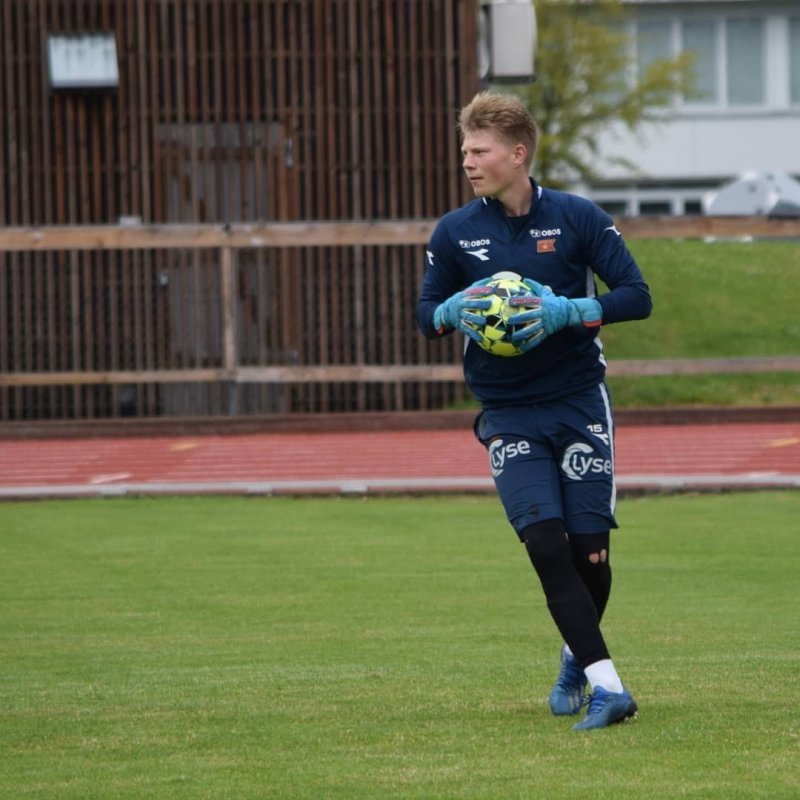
{"type": "Point", "coordinates": [626, 303]}
{"type": "Point", "coordinates": [425, 312]}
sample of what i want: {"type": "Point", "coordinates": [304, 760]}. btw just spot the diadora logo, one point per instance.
{"type": "Point", "coordinates": [470, 245]}
{"type": "Point", "coordinates": [500, 453]}
{"type": "Point", "coordinates": [538, 233]}
{"type": "Point", "coordinates": [578, 463]}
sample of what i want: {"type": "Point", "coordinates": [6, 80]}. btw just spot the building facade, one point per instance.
{"type": "Point", "coordinates": [747, 117]}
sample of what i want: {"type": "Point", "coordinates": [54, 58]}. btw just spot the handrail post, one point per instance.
{"type": "Point", "coordinates": [228, 300]}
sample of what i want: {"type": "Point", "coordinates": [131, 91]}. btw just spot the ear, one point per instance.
{"type": "Point", "coordinates": [518, 154]}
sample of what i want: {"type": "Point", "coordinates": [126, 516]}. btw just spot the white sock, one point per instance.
{"type": "Point", "coordinates": [568, 651]}
{"type": "Point", "coordinates": [602, 673]}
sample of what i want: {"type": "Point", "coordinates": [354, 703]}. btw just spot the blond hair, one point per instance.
{"type": "Point", "coordinates": [505, 115]}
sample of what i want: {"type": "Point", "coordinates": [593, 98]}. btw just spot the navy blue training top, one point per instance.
{"type": "Point", "coordinates": [564, 243]}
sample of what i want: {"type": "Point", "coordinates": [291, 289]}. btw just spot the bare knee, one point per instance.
{"type": "Point", "coordinates": [599, 558]}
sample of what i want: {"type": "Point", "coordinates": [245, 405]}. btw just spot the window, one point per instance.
{"type": "Point", "coordinates": [744, 44]}
{"type": "Point", "coordinates": [653, 43]}
{"type": "Point", "coordinates": [794, 60]}
{"type": "Point", "coordinates": [655, 208]}
{"type": "Point", "coordinates": [730, 56]}
{"type": "Point", "coordinates": [700, 39]}
{"type": "Point", "coordinates": [693, 208]}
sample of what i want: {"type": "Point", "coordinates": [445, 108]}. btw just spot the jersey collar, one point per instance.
{"type": "Point", "coordinates": [493, 202]}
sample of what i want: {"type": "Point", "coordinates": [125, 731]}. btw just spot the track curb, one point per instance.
{"type": "Point", "coordinates": [364, 421]}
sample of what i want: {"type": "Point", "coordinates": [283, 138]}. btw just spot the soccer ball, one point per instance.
{"type": "Point", "coordinates": [495, 334]}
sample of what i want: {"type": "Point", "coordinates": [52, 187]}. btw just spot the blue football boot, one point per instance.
{"type": "Point", "coordinates": [568, 694]}
{"type": "Point", "coordinates": [607, 708]}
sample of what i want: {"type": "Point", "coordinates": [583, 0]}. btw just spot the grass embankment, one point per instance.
{"type": "Point", "coordinates": [712, 300]}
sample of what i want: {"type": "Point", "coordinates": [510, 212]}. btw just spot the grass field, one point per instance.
{"type": "Point", "coordinates": [350, 648]}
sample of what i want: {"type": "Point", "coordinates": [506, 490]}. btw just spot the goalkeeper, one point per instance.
{"type": "Point", "coordinates": [546, 418]}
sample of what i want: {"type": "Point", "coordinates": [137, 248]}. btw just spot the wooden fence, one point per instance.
{"type": "Point", "coordinates": [109, 321]}
{"type": "Point", "coordinates": [182, 320]}
{"type": "Point", "coordinates": [257, 112]}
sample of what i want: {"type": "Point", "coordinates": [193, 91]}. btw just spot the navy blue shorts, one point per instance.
{"type": "Point", "coordinates": [554, 461]}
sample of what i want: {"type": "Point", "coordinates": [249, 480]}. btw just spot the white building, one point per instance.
{"type": "Point", "coordinates": [748, 119]}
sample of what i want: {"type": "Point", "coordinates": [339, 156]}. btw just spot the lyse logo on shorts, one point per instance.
{"type": "Point", "coordinates": [499, 453]}
{"type": "Point", "coordinates": [577, 463]}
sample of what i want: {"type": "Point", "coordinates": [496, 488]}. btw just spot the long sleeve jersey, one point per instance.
{"type": "Point", "coordinates": [564, 242]}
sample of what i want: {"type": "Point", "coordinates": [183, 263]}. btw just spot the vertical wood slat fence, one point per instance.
{"type": "Point", "coordinates": [238, 111]}
{"type": "Point", "coordinates": [219, 320]}
{"type": "Point", "coordinates": [243, 112]}
{"type": "Point", "coordinates": [247, 319]}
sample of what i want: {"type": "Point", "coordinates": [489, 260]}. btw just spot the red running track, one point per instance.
{"type": "Point", "coordinates": [647, 458]}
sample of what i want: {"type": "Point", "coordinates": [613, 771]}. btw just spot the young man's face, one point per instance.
{"type": "Point", "coordinates": [491, 165]}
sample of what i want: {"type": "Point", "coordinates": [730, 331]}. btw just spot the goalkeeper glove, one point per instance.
{"type": "Point", "coordinates": [456, 310]}
{"type": "Point", "coordinates": [549, 313]}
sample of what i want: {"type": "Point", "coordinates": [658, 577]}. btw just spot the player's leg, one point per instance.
{"type": "Point", "coordinates": [528, 483]}
{"type": "Point", "coordinates": [584, 441]}
{"type": "Point", "coordinates": [610, 701]}
{"type": "Point", "coordinates": [590, 557]}
{"type": "Point", "coordinates": [585, 657]}
{"type": "Point", "coordinates": [572, 609]}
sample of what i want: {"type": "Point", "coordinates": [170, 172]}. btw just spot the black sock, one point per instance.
{"type": "Point", "coordinates": [568, 598]}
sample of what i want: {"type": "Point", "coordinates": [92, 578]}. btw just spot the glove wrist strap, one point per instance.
{"type": "Point", "coordinates": [438, 320]}
{"type": "Point", "coordinates": [585, 311]}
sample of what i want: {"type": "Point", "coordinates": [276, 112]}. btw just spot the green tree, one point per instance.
{"type": "Point", "coordinates": [586, 79]}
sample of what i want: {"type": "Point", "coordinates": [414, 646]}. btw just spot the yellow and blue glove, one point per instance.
{"type": "Point", "coordinates": [550, 313]}
{"type": "Point", "coordinates": [457, 310]}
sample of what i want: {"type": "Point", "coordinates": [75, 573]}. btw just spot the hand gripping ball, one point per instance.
{"type": "Point", "coordinates": [495, 334]}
